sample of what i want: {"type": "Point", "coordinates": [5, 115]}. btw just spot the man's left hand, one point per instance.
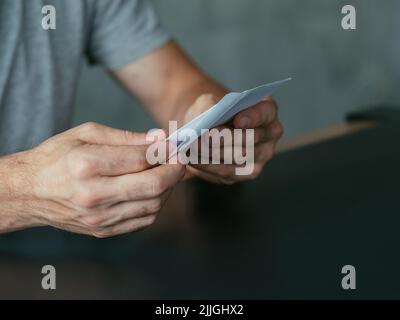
{"type": "Point", "coordinates": [263, 118]}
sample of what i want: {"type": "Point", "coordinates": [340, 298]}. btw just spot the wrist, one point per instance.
{"type": "Point", "coordinates": [17, 203]}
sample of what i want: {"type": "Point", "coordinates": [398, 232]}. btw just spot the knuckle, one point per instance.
{"type": "Point", "coordinates": [83, 167]}
{"type": "Point", "coordinates": [277, 130]}
{"type": "Point", "coordinates": [273, 109]}
{"type": "Point", "coordinates": [269, 151]}
{"type": "Point", "coordinates": [272, 102]}
{"type": "Point", "coordinates": [207, 98]}
{"type": "Point", "coordinates": [259, 135]}
{"type": "Point", "coordinates": [265, 152]}
{"type": "Point", "coordinates": [86, 199]}
{"type": "Point", "coordinates": [226, 174]}
{"type": "Point", "coordinates": [93, 221]}
{"type": "Point", "coordinates": [228, 182]}
{"type": "Point", "coordinates": [101, 234]}
{"type": "Point", "coordinates": [150, 220]}
{"type": "Point", "coordinates": [181, 170]}
{"type": "Point", "coordinates": [89, 126]}
{"type": "Point", "coordinates": [154, 206]}
{"type": "Point", "coordinates": [256, 113]}
{"type": "Point", "coordinates": [129, 135]}
{"type": "Point", "coordinates": [141, 159]}
{"type": "Point", "coordinates": [256, 172]}
{"type": "Point", "coordinates": [157, 186]}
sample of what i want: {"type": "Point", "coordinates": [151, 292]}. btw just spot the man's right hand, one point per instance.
{"type": "Point", "coordinates": [91, 179]}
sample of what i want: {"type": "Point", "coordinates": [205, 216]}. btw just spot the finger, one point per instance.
{"type": "Point", "coordinates": [227, 155]}
{"type": "Point", "coordinates": [225, 136]}
{"type": "Point", "coordinates": [144, 185]}
{"type": "Point", "coordinates": [225, 171]}
{"type": "Point", "coordinates": [224, 156]}
{"type": "Point", "coordinates": [263, 113]}
{"type": "Point", "coordinates": [203, 103]}
{"type": "Point", "coordinates": [218, 136]}
{"type": "Point", "coordinates": [123, 211]}
{"type": "Point", "coordinates": [107, 160]}
{"type": "Point", "coordinates": [161, 152]}
{"type": "Point", "coordinates": [262, 134]}
{"type": "Point", "coordinates": [208, 176]}
{"type": "Point", "coordinates": [126, 227]}
{"type": "Point", "coordinates": [99, 134]}
{"type": "Point", "coordinates": [235, 156]}
{"type": "Point", "coordinates": [239, 138]}
{"type": "Point", "coordinates": [273, 132]}
{"type": "Point", "coordinates": [227, 174]}
{"type": "Point", "coordinates": [256, 171]}
{"type": "Point", "coordinates": [215, 155]}
{"type": "Point", "coordinates": [264, 152]}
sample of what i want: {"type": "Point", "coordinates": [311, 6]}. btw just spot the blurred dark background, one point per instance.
{"type": "Point", "coordinates": [247, 43]}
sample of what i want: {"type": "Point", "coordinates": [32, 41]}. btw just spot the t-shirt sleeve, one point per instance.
{"type": "Point", "coordinates": [123, 31]}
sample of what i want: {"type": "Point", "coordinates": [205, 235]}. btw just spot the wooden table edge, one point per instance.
{"type": "Point", "coordinates": [335, 131]}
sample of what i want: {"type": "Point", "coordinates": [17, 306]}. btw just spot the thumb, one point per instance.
{"type": "Point", "coordinates": [202, 104]}
{"type": "Point", "coordinates": [99, 134]}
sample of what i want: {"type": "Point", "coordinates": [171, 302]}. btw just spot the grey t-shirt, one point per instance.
{"type": "Point", "coordinates": [39, 69]}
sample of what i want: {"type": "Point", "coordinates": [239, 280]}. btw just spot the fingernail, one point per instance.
{"type": "Point", "coordinates": [244, 122]}
{"type": "Point", "coordinates": [158, 135]}
{"type": "Point", "coordinates": [150, 138]}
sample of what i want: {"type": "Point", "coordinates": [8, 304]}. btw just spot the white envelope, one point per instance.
{"type": "Point", "coordinates": [222, 112]}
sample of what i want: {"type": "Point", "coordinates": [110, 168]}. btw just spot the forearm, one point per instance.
{"type": "Point", "coordinates": [15, 204]}
{"type": "Point", "coordinates": [167, 82]}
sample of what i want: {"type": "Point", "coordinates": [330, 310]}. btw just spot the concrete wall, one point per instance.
{"type": "Point", "coordinates": [243, 43]}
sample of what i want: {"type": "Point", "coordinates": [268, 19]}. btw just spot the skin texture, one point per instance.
{"type": "Point", "coordinates": [95, 180]}
{"type": "Point", "coordinates": [92, 180]}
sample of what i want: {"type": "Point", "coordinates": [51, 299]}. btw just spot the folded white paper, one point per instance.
{"type": "Point", "coordinates": [222, 112]}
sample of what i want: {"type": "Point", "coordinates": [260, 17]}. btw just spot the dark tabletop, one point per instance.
{"type": "Point", "coordinates": [286, 235]}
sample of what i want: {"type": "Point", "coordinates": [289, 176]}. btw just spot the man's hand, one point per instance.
{"type": "Point", "coordinates": [91, 179]}
{"type": "Point", "coordinates": [167, 82]}
{"type": "Point", "coordinates": [263, 118]}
